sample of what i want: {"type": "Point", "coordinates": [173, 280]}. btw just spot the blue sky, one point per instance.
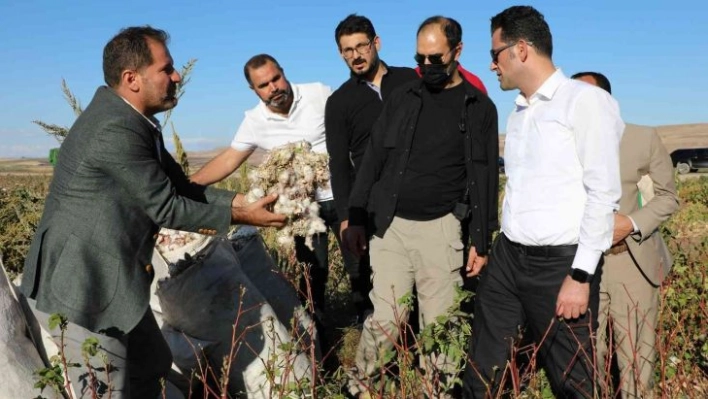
{"type": "Point", "coordinates": [654, 52]}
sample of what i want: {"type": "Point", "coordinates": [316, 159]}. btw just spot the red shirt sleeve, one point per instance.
{"type": "Point", "coordinates": [472, 78]}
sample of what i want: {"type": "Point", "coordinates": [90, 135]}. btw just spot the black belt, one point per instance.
{"type": "Point", "coordinates": [548, 251]}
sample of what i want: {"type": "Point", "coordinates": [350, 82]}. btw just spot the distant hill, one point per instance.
{"type": "Point", "coordinates": [25, 166]}
{"type": "Point", "coordinates": [41, 166]}
{"type": "Point", "coordinates": [676, 137]}
{"type": "Point", "coordinates": [197, 159]}
{"type": "Point", "coordinates": [694, 135]}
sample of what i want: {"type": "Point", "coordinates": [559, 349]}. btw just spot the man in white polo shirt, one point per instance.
{"type": "Point", "coordinates": [286, 113]}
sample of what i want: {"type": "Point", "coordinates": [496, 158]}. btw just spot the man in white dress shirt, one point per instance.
{"type": "Point", "coordinates": [563, 187]}
{"type": "Point", "coordinates": [287, 113]}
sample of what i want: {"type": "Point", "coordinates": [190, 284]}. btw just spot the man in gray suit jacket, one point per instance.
{"type": "Point", "coordinates": [114, 185]}
{"type": "Point", "coordinates": [639, 260]}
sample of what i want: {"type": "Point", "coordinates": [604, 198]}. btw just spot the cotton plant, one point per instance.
{"type": "Point", "coordinates": [294, 172]}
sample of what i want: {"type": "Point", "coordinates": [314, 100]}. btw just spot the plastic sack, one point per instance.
{"type": "Point", "coordinates": [231, 294]}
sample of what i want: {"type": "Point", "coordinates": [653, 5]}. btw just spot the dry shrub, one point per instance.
{"type": "Point", "coordinates": [21, 204]}
{"type": "Point", "coordinates": [682, 369]}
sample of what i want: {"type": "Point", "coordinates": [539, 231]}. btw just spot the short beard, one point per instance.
{"type": "Point", "coordinates": [286, 95]}
{"type": "Point", "coordinates": [166, 104]}
{"type": "Point", "coordinates": [371, 72]}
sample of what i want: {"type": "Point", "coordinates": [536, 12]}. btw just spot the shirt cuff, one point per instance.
{"type": "Point", "coordinates": [240, 146]}
{"type": "Point", "coordinates": [586, 259]}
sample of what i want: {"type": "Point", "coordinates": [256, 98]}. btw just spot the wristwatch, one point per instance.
{"type": "Point", "coordinates": [580, 275]}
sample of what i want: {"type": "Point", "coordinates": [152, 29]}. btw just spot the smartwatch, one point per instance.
{"type": "Point", "coordinates": [580, 275]}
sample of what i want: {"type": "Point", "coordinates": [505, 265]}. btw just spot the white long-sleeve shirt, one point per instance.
{"type": "Point", "coordinates": [562, 166]}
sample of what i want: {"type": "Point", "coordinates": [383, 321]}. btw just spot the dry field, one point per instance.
{"type": "Point", "coordinates": [682, 370]}
{"type": "Point", "coordinates": [25, 166]}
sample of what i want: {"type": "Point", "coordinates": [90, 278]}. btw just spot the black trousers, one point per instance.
{"type": "Point", "coordinates": [359, 271]}
{"type": "Point", "coordinates": [149, 358]}
{"type": "Point", "coordinates": [520, 291]}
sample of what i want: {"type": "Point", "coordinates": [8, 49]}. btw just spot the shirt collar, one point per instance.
{"type": "Point", "coordinates": [546, 91]}
{"type": "Point", "coordinates": [360, 79]}
{"type": "Point", "coordinates": [268, 114]}
{"type": "Point", "coordinates": [151, 120]}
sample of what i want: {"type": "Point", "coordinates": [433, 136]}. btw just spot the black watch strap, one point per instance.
{"type": "Point", "coordinates": [580, 275]}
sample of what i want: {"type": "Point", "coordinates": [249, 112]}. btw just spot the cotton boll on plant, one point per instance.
{"type": "Point", "coordinates": [294, 172]}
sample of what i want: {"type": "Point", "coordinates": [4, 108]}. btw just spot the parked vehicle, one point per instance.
{"type": "Point", "coordinates": [686, 161]}
{"type": "Point", "coordinates": [501, 165]}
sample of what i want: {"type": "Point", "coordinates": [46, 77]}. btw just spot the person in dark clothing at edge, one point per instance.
{"type": "Point", "coordinates": [430, 163]}
{"type": "Point", "coordinates": [350, 112]}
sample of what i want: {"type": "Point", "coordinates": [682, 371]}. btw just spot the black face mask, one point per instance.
{"type": "Point", "coordinates": [436, 76]}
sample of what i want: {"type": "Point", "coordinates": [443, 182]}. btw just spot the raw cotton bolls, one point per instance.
{"type": "Point", "coordinates": [175, 246]}
{"type": "Point", "coordinates": [294, 172]}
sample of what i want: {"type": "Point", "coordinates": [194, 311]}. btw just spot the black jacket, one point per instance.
{"type": "Point", "coordinates": [378, 182]}
{"type": "Point", "coordinates": [349, 116]}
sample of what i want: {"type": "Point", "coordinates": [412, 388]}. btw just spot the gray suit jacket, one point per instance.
{"type": "Point", "coordinates": [642, 153]}
{"type": "Point", "coordinates": [113, 186]}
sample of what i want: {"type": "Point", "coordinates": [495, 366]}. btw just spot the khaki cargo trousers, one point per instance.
{"type": "Point", "coordinates": [424, 254]}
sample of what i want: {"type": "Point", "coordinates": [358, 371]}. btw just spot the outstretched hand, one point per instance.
{"type": "Point", "coordinates": [256, 214]}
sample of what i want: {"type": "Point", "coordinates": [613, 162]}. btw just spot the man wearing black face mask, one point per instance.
{"type": "Point", "coordinates": [430, 164]}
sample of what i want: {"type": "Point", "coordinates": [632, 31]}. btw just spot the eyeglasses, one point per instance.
{"type": "Point", "coordinates": [495, 52]}
{"type": "Point", "coordinates": [435, 59]}
{"type": "Point", "coordinates": [361, 49]}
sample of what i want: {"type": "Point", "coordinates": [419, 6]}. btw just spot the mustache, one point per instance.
{"type": "Point", "coordinates": [284, 94]}
{"type": "Point", "coordinates": [358, 61]}
{"type": "Point", "coordinates": [277, 93]}
{"type": "Point", "coordinates": [171, 92]}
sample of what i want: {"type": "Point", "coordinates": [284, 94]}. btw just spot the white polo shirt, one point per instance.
{"type": "Point", "coordinates": [265, 129]}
